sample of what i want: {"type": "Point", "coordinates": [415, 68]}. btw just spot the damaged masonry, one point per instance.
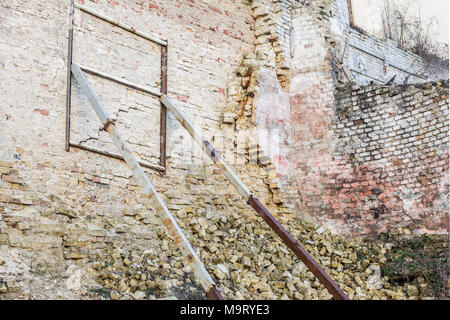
{"type": "Point", "coordinates": [276, 152]}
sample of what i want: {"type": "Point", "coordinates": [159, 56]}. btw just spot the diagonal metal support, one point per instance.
{"type": "Point", "coordinates": [300, 252]}
{"type": "Point", "coordinates": [207, 147]}
{"type": "Point", "coordinates": [158, 204]}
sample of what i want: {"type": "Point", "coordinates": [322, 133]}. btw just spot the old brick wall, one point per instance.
{"type": "Point", "coordinates": [391, 158]}
{"type": "Point", "coordinates": [383, 163]}
{"type": "Point", "coordinates": [326, 183]}
{"type": "Point", "coordinates": [251, 76]}
{"type": "Point", "coordinates": [76, 221]}
{"type": "Point", "coordinates": [206, 44]}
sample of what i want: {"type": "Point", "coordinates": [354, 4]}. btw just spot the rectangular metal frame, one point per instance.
{"type": "Point", "coordinates": [149, 190]}
{"type": "Point", "coordinates": [163, 118]}
{"type": "Point", "coordinates": [191, 258]}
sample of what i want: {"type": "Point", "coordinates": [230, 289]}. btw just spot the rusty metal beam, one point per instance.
{"type": "Point", "coordinates": [163, 116]}
{"type": "Point", "coordinates": [206, 146]}
{"type": "Point", "coordinates": [127, 83]}
{"type": "Point", "coordinates": [143, 163]}
{"type": "Point", "coordinates": [214, 294]}
{"type": "Point", "coordinates": [158, 204]}
{"type": "Point", "coordinates": [350, 13]}
{"type": "Point", "coordinates": [119, 24]}
{"type": "Point", "coordinates": [300, 252]}
{"type": "Point", "coordinates": [160, 42]}
{"type": "Point", "coordinates": [69, 76]}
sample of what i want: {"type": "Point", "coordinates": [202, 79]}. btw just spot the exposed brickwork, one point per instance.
{"type": "Point", "coordinates": [73, 221]}
{"type": "Point", "coordinates": [206, 43]}
{"type": "Point", "coordinates": [384, 160]}
{"type": "Point", "coordinates": [394, 146]}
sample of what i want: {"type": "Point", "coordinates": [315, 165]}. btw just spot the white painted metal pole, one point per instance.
{"type": "Point", "coordinates": [207, 147]}
{"type": "Point", "coordinates": [120, 80]}
{"type": "Point", "coordinates": [169, 222]}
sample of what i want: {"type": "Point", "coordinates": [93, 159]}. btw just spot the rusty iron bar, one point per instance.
{"type": "Point", "coordinates": [206, 146]}
{"type": "Point", "coordinates": [69, 76]}
{"type": "Point", "coordinates": [158, 204]}
{"type": "Point", "coordinates": [350, 13]}
{"type": "Point", "coordinates": [163, 116]}
{"type": "Point", "coordinates": [162, 43]}
{"type": "Point", "coordinates": [143, 163]}
{"type": "Point", "coordinates": [126, 83]}
{"type": "Point", "coordinates": [119, 24]}
{"type": "Point", "coordinates": [300, 252]}
{"type": "Point", "coordinates": [214, 294]}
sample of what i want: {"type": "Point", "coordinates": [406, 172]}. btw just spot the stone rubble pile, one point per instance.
{"type": "Point", "coordinates": [248, 261]}
{"type": "Point", "coordinates": [243, 255]}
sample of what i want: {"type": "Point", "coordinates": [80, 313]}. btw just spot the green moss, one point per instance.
{"type": "Point", "coordinates": [103, 292]}
{"type": "Point", "coordinates": [416, 257]}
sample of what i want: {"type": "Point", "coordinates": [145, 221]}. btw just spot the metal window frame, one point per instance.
{"type": "Point", "coordinates": [192, 261]}
{"type": "Point", "coordinates": [161, 167]}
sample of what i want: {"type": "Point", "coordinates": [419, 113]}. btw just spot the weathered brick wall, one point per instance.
{"type": "Point", "coordinates": [333, 168]}
{"type": "Point", "coordinates": [383, 161]}
{"type": "Point", "coordinates": [73, 221]}
{"type": "Point", "coordinates": [206, 44]}
{"type": "Point", "coordinates": [391, 157]}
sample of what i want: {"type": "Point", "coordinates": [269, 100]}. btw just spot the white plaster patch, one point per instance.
{"type": "Point", "coordinates": [272, 118]}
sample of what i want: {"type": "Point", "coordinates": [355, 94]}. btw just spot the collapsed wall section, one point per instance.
{"type": "Point", "coordinates": [71, 223]}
